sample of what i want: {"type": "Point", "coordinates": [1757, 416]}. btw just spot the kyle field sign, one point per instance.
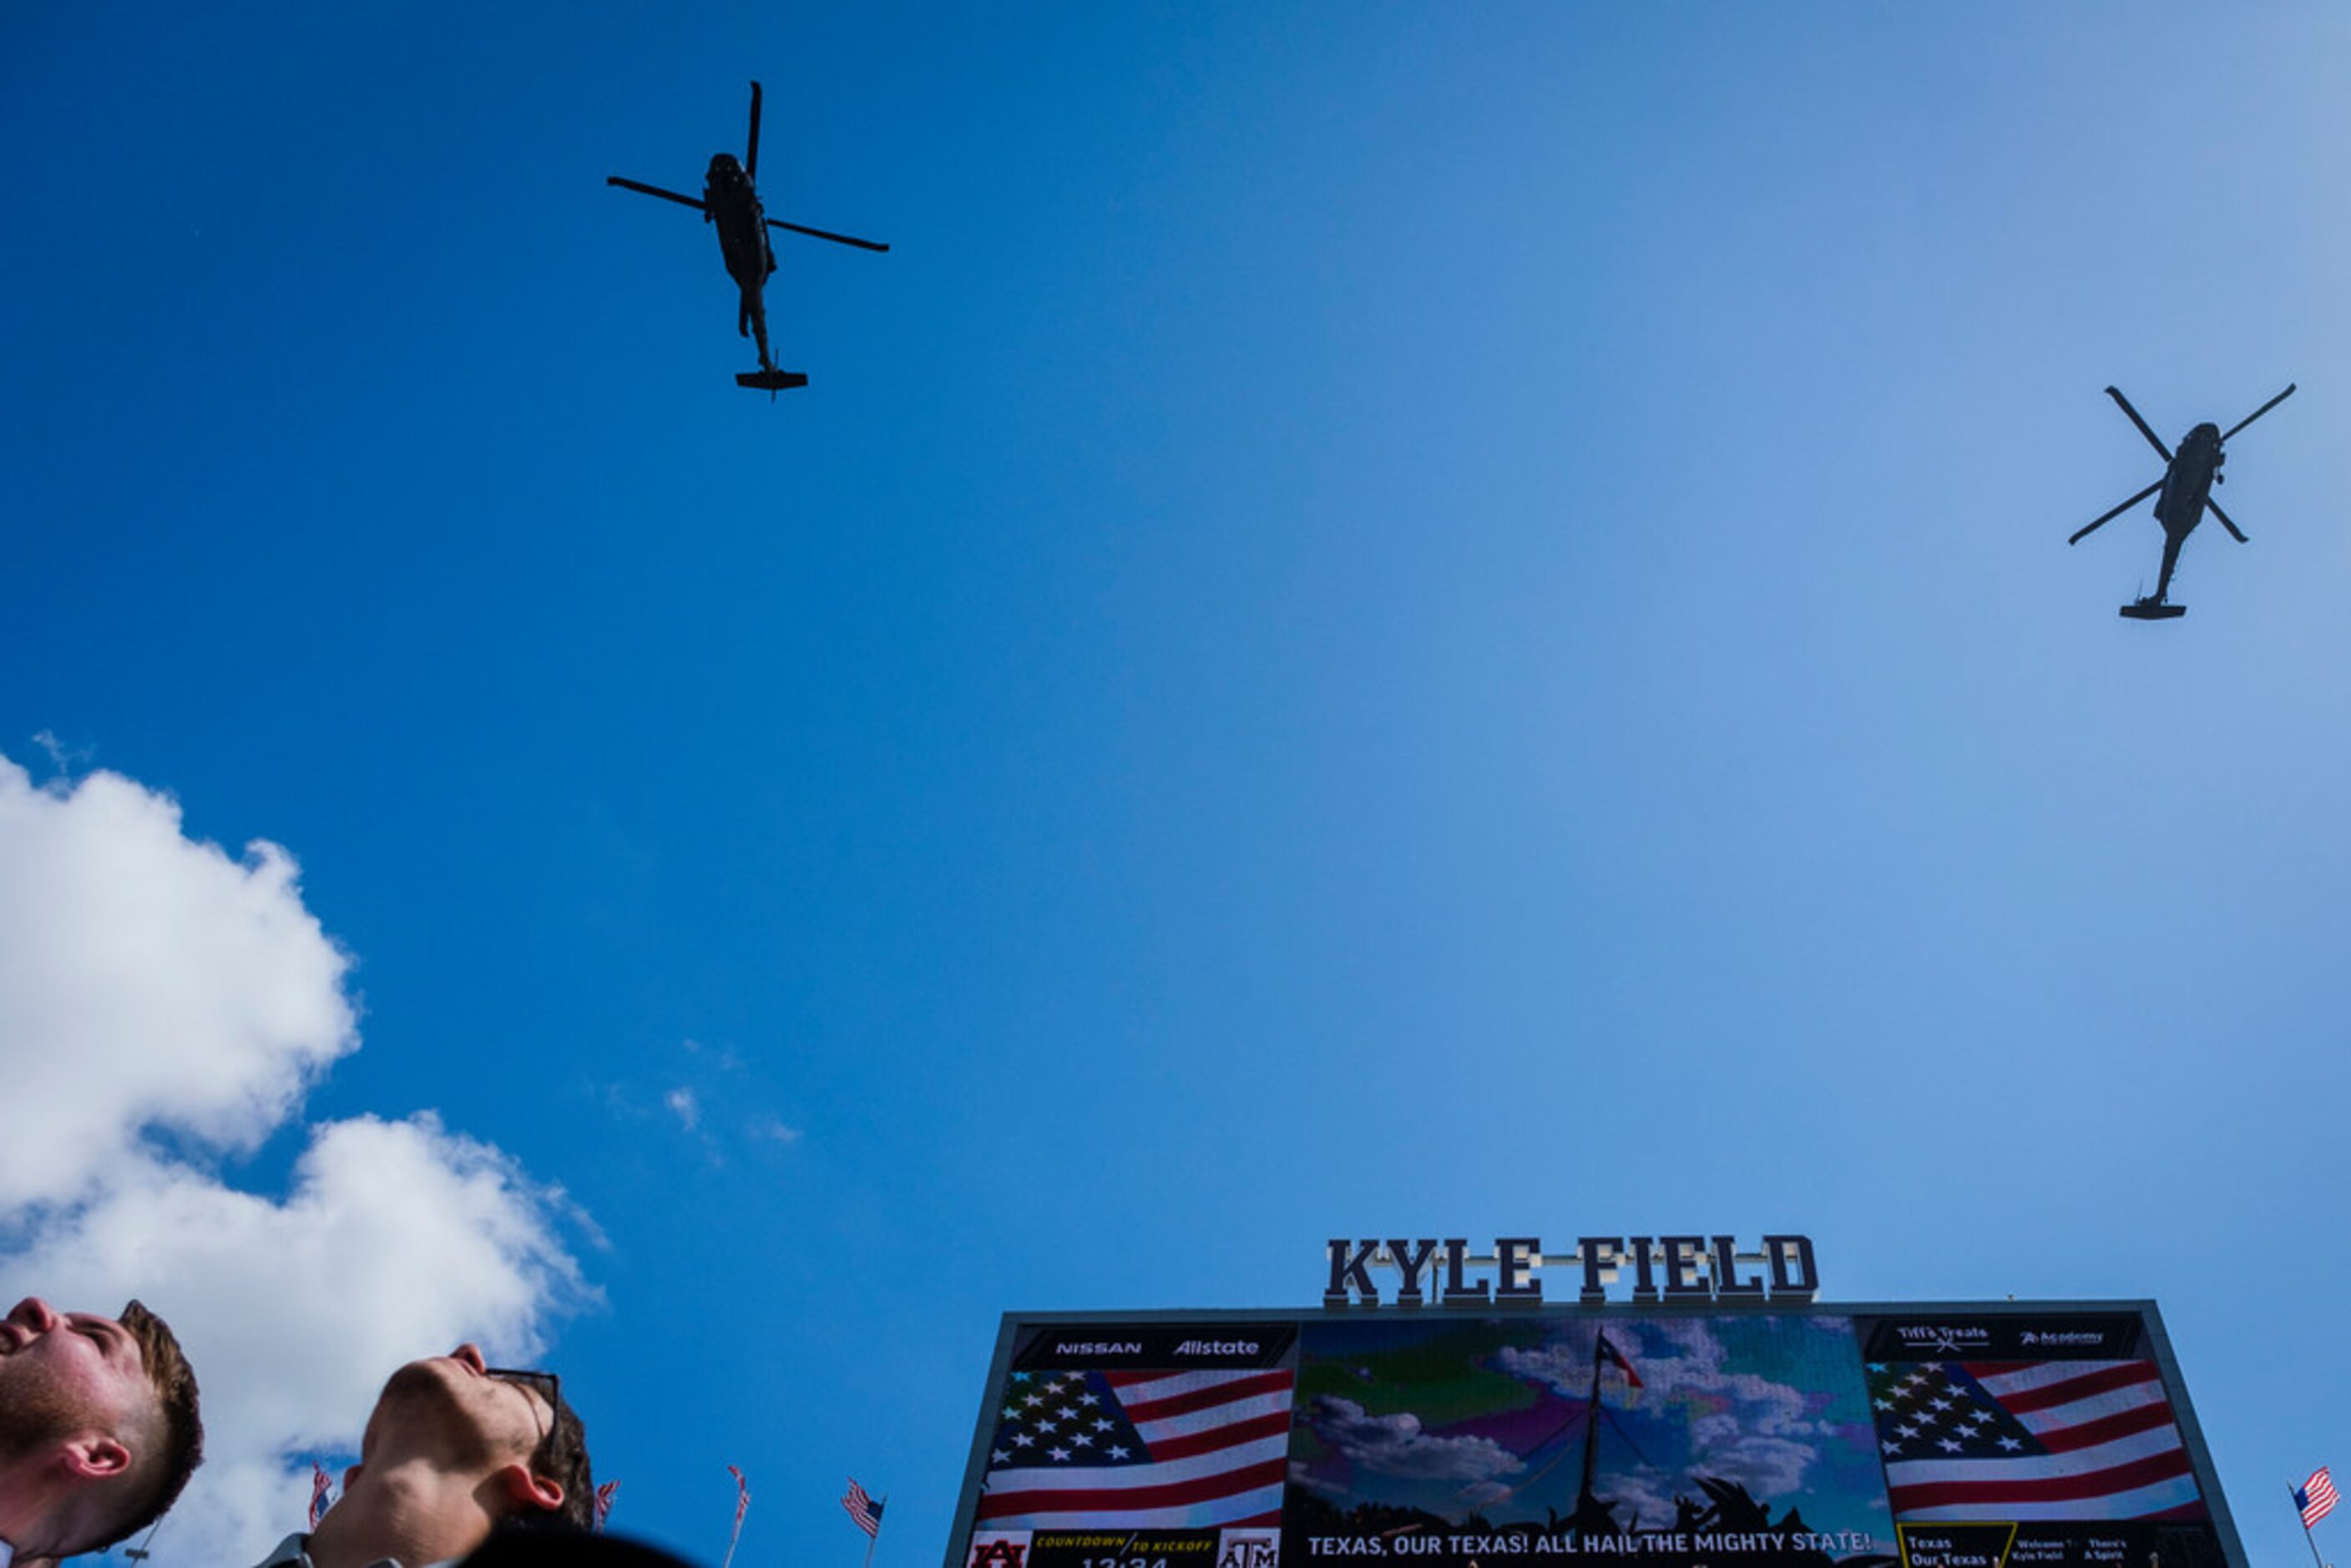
{"type": "Point", "coordinates": [1678, 1268]}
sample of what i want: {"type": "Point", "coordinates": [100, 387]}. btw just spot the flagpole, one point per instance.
{"type": "Point", "coordinates": [875, 1539]}
{"type": "Point", "coordinates": [2294, 1494]}
{"type": "Point", "coordinates": [742, 1507]}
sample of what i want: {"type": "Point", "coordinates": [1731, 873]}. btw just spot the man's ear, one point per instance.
{"type": "Point", "coordinates": [93, 1457]}
{"type": "Point", "coordinates": [525, 1488]}
{"type": "Point", "coordinates": [349, 1476]}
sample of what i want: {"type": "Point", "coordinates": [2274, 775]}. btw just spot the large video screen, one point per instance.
{"type": "Point", "coordinates": [1949, 1437]}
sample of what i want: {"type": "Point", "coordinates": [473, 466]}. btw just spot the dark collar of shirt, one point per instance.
{"type": "Point", "coordinates": [294, 1552]}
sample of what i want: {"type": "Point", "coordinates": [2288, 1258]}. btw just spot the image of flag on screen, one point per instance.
{"type": "Point", "coordinates": [2031, 1440]}
{"type": "Point", "coordinates": [1158, 1450]}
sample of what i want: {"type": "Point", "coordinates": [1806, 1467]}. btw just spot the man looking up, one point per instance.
{"type": "Point", "coordinates": [453, 1450]}
{"type": "Point", "coordinates": [98, 1427]}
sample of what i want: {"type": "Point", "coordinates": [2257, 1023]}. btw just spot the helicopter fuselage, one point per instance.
{"type": "Point", "coordinates": [730, 201]}
{"type": "Point", "coordinates": [2188, 481]}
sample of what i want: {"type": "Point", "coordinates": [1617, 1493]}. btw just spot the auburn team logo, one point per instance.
{"type": "Point", "coordinates": [998, 1554]}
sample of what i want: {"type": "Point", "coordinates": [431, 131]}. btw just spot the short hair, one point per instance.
{"type": "Point", "coordinates": [562, 1457]}
{"type": "Point", "coordinates": [180, 1428]}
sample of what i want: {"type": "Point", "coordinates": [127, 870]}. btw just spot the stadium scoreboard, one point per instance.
{"type": "Point", "coordinates": [1768, 1430]}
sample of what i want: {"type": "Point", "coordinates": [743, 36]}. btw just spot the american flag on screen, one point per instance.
{"type": "Point", "coordinates": [2031, 1440]}
{"type": "Point", "coordinates": [1156, 1450]}
{"type": "Point", "coordinates": [2316, 1497]}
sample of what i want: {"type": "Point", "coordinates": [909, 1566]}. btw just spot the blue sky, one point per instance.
{"type": "Point", "coordinates": [1378, 618]}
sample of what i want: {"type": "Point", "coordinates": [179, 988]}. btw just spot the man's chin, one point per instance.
{"type": "Point", "coordinates": [435, 1379]}
{"type": "Point", "coordinates": [424, 1409]}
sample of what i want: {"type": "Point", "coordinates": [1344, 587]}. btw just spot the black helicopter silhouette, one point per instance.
{"type": "Point", "coordinates": [729, 200]}
{"type": "Point", "coordinates": [2187, 486]}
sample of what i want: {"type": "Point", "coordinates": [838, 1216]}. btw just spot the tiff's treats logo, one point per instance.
{"type": "Point", "coordinates": [1944, 1339]}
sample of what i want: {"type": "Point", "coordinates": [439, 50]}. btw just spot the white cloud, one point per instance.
{"type": "Point", "coordinates": [1397, 1446]}
{"type": "Point", "coordinates": [162, 1005]}
{"type": "Point", "coordinates": [145, 978]}
{"type": "Point", "coordinates": [1743, 1427]}
{"type": "Point", "coordinates": [712, 1098]}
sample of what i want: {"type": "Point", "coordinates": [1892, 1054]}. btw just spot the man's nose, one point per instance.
{"type": "Point", "coordinates": [33, 1313]}
{"type": "Point", "coordinates": [471, 1355]}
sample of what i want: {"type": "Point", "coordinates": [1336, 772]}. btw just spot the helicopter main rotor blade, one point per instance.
{"type": "Point", "coordinates": [2152, 439]}
{"type": "Point", "coordinates": [751, 153]}
{"type": "Point", "coordinates": [2234, 532]}
{"type": "Point", "coordinates": [2254, 415]}
{"type": "Point", "coordinates": [697, 202]}
{"type": "Point", "coordinates": [827, 233]}
{"type": "Point", "coordinates": [2082, 533]}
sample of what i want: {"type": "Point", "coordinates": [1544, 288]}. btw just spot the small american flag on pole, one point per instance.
{"type": "Point", "coordinates": [604, 1503]}
{"type": "Point", "coordinates": [863, 1510]}
{"type": "Point", "coordinates": [319, 1488]}
{"type": "Point", "coordinates": [2316, 1497]}
{"type": "Point", "coordinates": [742, 1507]}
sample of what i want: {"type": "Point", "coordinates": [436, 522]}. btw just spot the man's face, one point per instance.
{"type": "Point", "coordinates": [66, 1373]}
{"type": "Point", "coordinates": [450, 1408]}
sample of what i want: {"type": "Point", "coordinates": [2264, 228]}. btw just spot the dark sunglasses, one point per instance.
{"type": "Point", "coordinates": [548, 1387]}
